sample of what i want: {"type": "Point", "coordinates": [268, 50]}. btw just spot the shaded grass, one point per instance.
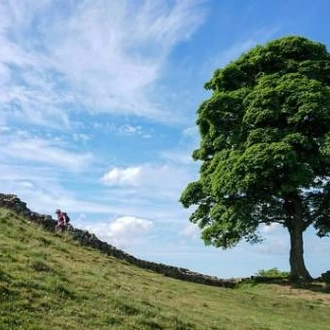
{"type": "Point", "coordinates": [47, 281]}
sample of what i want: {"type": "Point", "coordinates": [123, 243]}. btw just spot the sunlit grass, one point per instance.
{"type": "Point", "coordinates": [47, 281]}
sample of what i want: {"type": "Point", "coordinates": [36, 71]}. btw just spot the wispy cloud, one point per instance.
{"type": "Point", "coordinates": [43, 151]}
{"type": "Point", "coordinates": [85, 55]}
{"type": "Point", "coordinates": [132, 130]}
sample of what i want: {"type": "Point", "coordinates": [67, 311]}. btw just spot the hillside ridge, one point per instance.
{"type": "Point", "coordinates": [13, 203]}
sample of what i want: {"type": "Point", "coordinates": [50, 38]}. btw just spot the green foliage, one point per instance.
{"type": "Point", "coordinates": [273, 272]}
{"type": "Point", "coordinates": [265, 145]}
{"type": "Point", "coordinates": [48, 281]}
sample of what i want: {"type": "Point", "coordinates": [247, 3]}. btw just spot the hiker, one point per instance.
{"type": "Point", "coordinates": [61, 221]}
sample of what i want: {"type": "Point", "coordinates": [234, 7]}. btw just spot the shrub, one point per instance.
{"type": "Point", "coordinates": [273, 272]}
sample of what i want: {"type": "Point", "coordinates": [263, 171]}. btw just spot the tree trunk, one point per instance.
{"type": "Point", "coordinates": [296, 227]}
{"type": "Point", "coordinates": [297, 263]}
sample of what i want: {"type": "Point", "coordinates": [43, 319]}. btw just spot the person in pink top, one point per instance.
{"type": "Point", "coordinates": [61, 221]}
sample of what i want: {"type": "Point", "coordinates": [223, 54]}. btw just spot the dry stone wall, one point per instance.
{"type": "Point", "coordinates": [13, 203]}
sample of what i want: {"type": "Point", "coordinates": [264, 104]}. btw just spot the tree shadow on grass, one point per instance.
{"type": "Point", "coordinates": [316, 285]}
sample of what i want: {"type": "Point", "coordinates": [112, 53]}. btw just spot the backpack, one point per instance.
{"type": "Point", "coordinates": [67, 218]}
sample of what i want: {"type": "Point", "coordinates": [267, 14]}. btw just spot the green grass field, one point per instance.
{"type": "Point", "coordinates": [48, 281]}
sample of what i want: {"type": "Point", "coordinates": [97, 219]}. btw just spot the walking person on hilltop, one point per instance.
{"type": "Point", "coordinates": [61, 221]}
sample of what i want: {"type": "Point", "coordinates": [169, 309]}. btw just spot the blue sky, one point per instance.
{"type": "Point", "coordinates": [98, 105]}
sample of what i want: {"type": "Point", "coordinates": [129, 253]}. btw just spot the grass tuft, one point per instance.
{"type": "Point", "coordinates": [40, 266]}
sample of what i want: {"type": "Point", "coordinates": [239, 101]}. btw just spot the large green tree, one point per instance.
{"type": "Point", "coordinates": [265, 147]}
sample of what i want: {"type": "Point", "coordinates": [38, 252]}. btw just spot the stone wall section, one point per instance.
{"type": "Point", "coordinates": [13, 203]}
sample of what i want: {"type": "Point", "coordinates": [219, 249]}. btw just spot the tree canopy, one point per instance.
{"type": "Point", "coordinates": [265, 147]}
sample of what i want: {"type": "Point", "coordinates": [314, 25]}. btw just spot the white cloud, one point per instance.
{"type": "Point", "coordinates": [123, 232]}
{"type": "Point", "coordinates": [128, 176]}
{"type": "Point", "coordinates": [157, 181]}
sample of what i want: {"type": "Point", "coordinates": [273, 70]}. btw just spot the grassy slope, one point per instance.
{"type": "Point", "coordinates": [47, 281]}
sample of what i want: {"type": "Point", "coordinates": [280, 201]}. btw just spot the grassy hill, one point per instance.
{"type": "Point", "coordinates": [49, 281]}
